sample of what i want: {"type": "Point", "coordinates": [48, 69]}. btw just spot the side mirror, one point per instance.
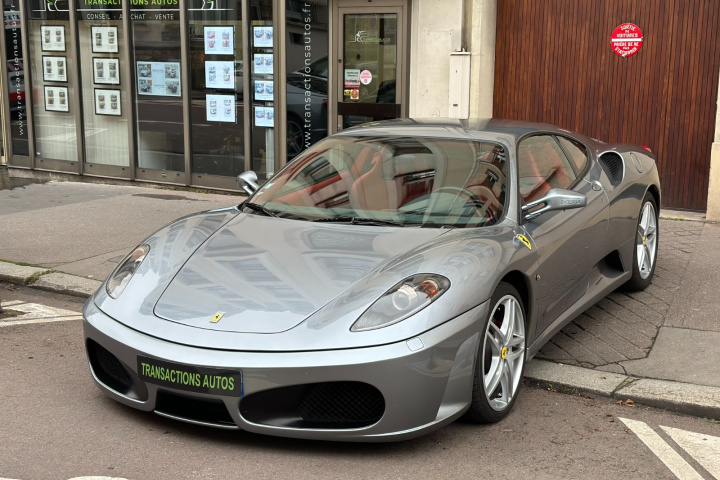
{"type": "Point", "coordinates": [556, 199]}
{"type": "Point", "coordinates": [248, 181]}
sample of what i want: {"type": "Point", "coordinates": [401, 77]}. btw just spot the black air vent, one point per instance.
{"type": "Point", "coordinates": [614, 167]}
{"type": "Point", "coordinates": [108, 368]}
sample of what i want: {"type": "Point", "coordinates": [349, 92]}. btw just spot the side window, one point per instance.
{"type": "Point", "coordinates": [577, 153]}
{"type": "Point", "coordinates": [542, 165]}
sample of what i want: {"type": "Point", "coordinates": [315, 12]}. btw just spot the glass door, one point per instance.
{"type": "Point", "coordinates": [372, 60]}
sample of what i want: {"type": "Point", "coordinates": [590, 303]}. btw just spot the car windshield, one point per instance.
{"type": "Point", "coordinates": [392, 181]}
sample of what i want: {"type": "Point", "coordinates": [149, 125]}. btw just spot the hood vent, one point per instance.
{"type": "Point", "coordinates": [614, 167]}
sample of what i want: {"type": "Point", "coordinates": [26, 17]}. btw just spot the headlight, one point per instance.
{"type": "Point", "coordinates": [402, 300]}
{"type": "Point", "coordinates": [123, 273]}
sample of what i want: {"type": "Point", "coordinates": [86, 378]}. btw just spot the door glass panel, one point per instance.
{"type": "Point", "coordinates": [262, 41]}
{"type": "Point", "coordinates": [306, 23]}
{"type": "Point", "coordinates": [370, 66]}
{"type": "Point", "coordinates": [51, 64]}
{"type": "Point", "coordinates": [100, 33]}
{"type": "Point", "coordinates": [216, 79]}
{"type": "Point", "coordinates": [157, 72]}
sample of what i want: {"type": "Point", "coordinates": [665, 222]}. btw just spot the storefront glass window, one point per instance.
{"type": "Point", "coordinates": [262, 38]}
{"type": "Point", "coordinates": [216, 79]}
{"type": "Point", "coordinates": [15, 94]}
{"type": "Point", "coordinates": [306, 49]}
{"type": "Point", "coordinates": [51, 64]}
{"type": "Point", "coordinates": [100, 33]}
{"type": "Point", "coordinates": [156, 38]}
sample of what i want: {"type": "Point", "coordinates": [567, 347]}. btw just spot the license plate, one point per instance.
{"type": "Point", "coordinates": [190, 378]}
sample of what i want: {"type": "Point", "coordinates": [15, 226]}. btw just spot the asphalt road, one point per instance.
{"type": "Point", "coordinates": [54, 424]}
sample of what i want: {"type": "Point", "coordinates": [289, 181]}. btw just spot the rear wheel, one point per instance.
{"type": "Point", "coordinates": [646, 246]}
{"type": "Point", "coordinates": [501, 357]}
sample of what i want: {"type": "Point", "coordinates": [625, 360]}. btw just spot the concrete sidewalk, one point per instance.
{"type": "Point", "coordinates": [660, 347]}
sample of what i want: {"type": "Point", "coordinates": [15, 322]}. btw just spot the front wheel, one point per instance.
{"type": "Point", "coordinates": [646, 246]}
{"type": "Point", "coordinates": [501, 357]}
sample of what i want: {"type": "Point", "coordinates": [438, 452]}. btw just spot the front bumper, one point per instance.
{"type": "Point", "coordinates": [425, 382]}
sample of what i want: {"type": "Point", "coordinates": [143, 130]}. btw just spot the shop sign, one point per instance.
{"type": "Point", "coordinates": [626, 40]}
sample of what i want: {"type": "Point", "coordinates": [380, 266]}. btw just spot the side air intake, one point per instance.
{"type": "Point", "coordinates": [614, 167]}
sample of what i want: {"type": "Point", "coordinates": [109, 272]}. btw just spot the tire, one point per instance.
{"type": "Point", "coordinates": [646, 246]}
{"type": "Point", "coordinates": [501, 357]}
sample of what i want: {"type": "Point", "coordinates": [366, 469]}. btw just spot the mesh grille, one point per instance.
{"type": "Point", "coordinates": [342, 402]}
{"type": "Point", "coordinates": [108, 368]}
{"type": "Point", "coordinates": [612, 163]}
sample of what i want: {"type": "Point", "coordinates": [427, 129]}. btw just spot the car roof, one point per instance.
{"type": "Point", "coordinates": [454, 128]}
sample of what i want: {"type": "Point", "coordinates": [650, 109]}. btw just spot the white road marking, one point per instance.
{"type": "Point", "coordinates": [36, 313]}
{"type": "Point", "coordinates": [703, 448]}
{"type": "Point", "coordinates": [662, 450]}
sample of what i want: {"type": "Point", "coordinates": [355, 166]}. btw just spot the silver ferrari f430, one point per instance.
{"type": "Point", "coordinates": [390, 279]}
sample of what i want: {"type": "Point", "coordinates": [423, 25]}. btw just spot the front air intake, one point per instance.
{"type": "Point", "coordinates": [614, 167]}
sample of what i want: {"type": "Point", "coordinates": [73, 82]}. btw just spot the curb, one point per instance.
{"type": "Point", "coordinates": [687, 398]}
{"type": "Point", "coordinates": [698, 400]}
{"type": "Point", "coordinates": [53, 282]}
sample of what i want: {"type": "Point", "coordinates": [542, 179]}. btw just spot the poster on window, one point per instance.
{"type": "Point", "coordinates": [219, 75]}
{"type": "Point", "coordinates": [107, 102]}
{"type": "Point", "coordinates": [54, 69]}
{"type": "Point", "coordinates": [159, 78]}
{"type": "Point", "coordinates": [56, 99]}
{"type": "Point", "coordinates": [263, 37]}
{"type": "Point", "coordinates": [263, 63]}
{"type": "Point", "coordinates": [104, 39]}
{"type": "Point", "coordinates": [52, 38]}
{"type": "Point", "coordinates": [264, 117]}
{"type": "Point", "coordinates": [220, 108]}
{"type": "Point", "coordinates": [264, 90]}
{"type": "Point", "coordinates": [219, 40]}
{"type": "Point", "coordinates": [106, 71]}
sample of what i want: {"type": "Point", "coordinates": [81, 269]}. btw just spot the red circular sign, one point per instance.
{"type": "Point", "coordinates": [626, 39]}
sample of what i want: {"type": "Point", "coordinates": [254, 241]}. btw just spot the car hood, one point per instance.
{"type": "Point", "coordinates": [266, 275]}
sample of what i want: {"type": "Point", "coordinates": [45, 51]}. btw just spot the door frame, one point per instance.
{"type": "Point", "coordinates": [336, 51]}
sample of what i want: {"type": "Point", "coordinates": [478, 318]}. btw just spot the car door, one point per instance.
{"type": "Point", "coordinates": [569, 243]}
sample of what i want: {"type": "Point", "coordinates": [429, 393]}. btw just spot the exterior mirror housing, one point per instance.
{"type": "Point", "coordinates": [555, 199]}
{"type": "Point", "coordinates": [248, 182]}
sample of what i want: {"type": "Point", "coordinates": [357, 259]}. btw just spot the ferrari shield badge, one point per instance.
{"type": "Point", "coordinates": [216, 318]}
{"type": "Point", "coordinates": [523, 239]}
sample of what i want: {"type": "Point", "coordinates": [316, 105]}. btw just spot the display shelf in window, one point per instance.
{"type": "Point", "coordinates": [107, 102]}
{"type": "Point", "coordinates": [52, 38]}
{"type": "Point", "coordinates": [54, 69]}
{"type": "Point", "coordinates": [56, 99]}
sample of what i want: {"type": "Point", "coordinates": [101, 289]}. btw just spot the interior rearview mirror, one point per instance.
{"type": "Point", "coordinates": [248, 181]}
{"type": "Point", "coordinates": [555, 199]}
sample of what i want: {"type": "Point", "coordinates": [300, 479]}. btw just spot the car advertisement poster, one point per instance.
{"type": "Point", "coordinates": [56, 99]}
{"type": "Point", "coordinates": [104, 39]}
{"type": "Point", "coordinates": [264, 90]}
{"type": "Point", "coordinates": [52, 38]}
{"type": "Point", "coordinates": [159, 78]}
{"type": "Point", "coordinates": [263, 63]}
{"type": "Point", "coordinates": [220, 108]}
{"type": "Point", "coordinates": [263, 37]}
{"type": "Point", "coordinates": [264, 117]}
{"type": "Point", "coordinates": [54, 69]}
{"type": "Point", "coordinates": [106, 71]}
{"type": "Point", "coordinates": [219, 40]}
{"type": "Point", "coordinates": [219, 75]}
{"type": "Point", "coordinates": [107, 102]}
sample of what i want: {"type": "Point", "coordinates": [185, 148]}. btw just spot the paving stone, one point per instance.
{"type": "Point", "coordinates": [592, 381]}
{"type": "Point", "coordinates": [68, 284]}
{"type": "Point", "coordinates": [9, 272]}
{"type": "Point", "coordinates": [680, 397]}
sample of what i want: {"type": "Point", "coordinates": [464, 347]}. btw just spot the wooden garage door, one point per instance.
{"type": "Point", "coordinates": [554, 64]}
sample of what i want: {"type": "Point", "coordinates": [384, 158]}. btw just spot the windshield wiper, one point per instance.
{"type": "Point", "coordinates": [359, 221]}
{"type": "Point", "coordinates": [256, 207]}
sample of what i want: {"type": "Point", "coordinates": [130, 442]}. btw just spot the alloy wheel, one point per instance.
{"type": "Point", "coordinates": [503, 352]}
{"type": "Point", "coordinates": [646, 240]}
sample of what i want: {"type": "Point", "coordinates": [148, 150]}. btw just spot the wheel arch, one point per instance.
{"type": "Point", "coordinates": [522, 284]}
{"type": "Point", "coordinates": [655, 192]}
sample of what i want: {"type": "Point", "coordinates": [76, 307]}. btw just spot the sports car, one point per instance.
{"type": "Point", "coordinates": [390, 279]}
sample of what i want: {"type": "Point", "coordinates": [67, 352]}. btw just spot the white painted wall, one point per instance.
{"type": "Point", "coordinates": [440, 27]}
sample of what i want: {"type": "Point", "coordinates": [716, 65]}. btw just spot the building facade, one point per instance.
{"type": "Point", "coordinates": [194, 92]}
